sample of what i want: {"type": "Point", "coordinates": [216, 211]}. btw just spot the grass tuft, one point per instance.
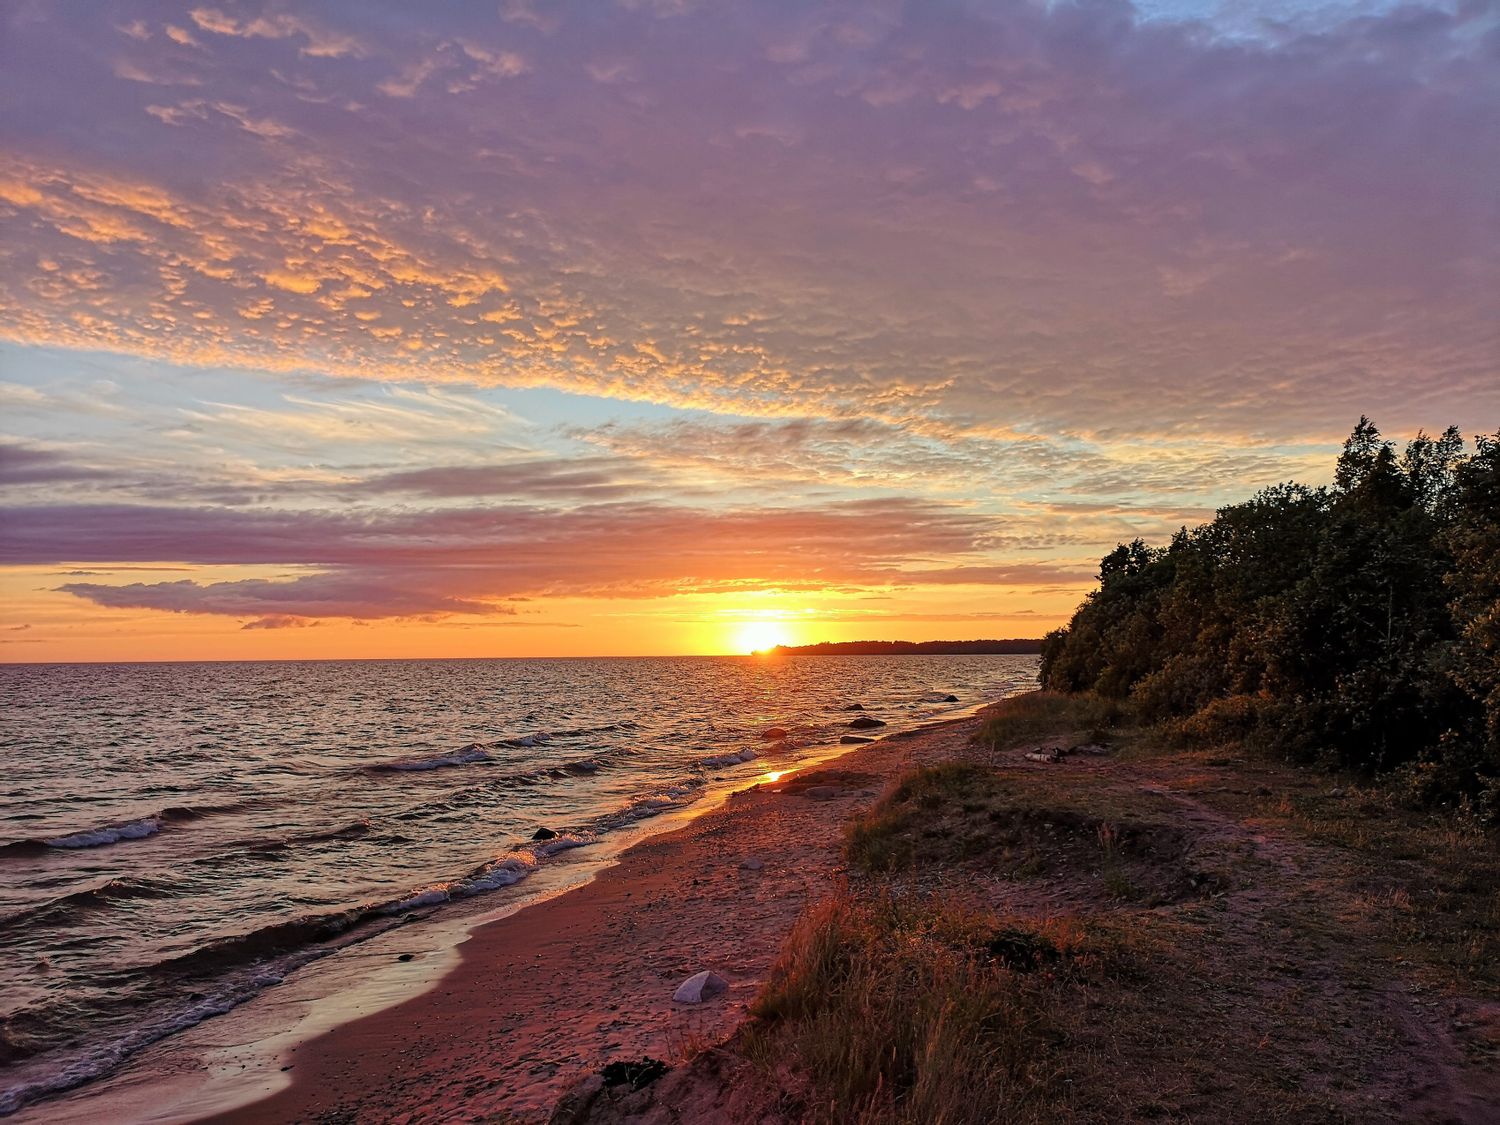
{"type": "Point", "coordinates": [896, 1010]}
{"type": "Point", "coordinates": [1042, 714]}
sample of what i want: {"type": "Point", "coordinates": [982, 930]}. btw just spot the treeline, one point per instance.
{"type": "Point", "coordinates": [1018, 647]}
{"type": "Point", "coordinates": [1357, 624]}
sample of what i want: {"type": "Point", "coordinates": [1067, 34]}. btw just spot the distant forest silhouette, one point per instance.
{"type": "Point", "coordinates": [1357, 624]}
{"type": "Point", "coordinates": [1015, 647]}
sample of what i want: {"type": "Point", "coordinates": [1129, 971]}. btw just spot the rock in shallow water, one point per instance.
{"type": "Point", "coordinates": [700, 987]}
{"type": "Point", "coordinates": [544, 834]}
{"type": "Point", "coordinates": [864, 722]}
{"type": "Point", "coordinates": [775, 732]}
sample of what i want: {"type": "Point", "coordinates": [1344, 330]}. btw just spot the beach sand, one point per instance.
{"type": "Point", "coordinates": [548, 995]}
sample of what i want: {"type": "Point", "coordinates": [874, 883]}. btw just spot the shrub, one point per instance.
{"type": "Point", "coordinates": [895, 1010]}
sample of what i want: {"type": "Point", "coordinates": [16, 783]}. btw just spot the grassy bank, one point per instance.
{"type": "Point", "coordinates": [1134, 930]}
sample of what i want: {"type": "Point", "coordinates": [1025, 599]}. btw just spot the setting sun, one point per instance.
{"type": "Point", "coordinates": [757, 636]}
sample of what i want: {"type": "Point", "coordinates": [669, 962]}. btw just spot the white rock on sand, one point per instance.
{"type": "Point", "coordinates": [700, 987]}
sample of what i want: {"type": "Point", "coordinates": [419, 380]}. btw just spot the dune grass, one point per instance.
{"type": "Point", "coordinates": [889, 837]}
{"type": "Point", "coordinates": [896, 1010]}
{"type": "Point", "coordinates": [1038, 715]}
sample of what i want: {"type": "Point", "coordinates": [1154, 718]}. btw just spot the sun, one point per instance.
{"type": "Point", "coordinates": [757, 636]}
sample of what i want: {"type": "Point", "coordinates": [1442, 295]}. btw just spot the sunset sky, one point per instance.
{"type": "Point", "coordinates": [679, 326]}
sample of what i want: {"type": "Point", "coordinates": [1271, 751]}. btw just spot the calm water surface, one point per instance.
{"type": "Point", "coordinates": [175, 837]}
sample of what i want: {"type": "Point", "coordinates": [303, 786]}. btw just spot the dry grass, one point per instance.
{"type": "Point", "coordinates": [964, 814]}
{"type": "Point", "coordinates": [893, 1009]}
{"type": "Point", "coordinates": [1038, 715]}
{"type": "Point", "coordinates": [1437, 875]}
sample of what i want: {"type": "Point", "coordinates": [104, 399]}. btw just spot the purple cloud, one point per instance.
{"type": "Point", "coordinates": [22, 464]}
{"type": "Point", "coordinates": [479, 560]}
{"type": "Point", "coordinates": [1035, 217]}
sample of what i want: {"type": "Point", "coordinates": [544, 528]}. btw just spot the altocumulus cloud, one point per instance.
{"type": "Point", "coordinates": [1030, 217]}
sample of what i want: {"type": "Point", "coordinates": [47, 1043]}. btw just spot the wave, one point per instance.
{"type": "Point", "coordinates": [494, 781]}
{"type": "Point", "coordinates": [121, 831]}
{"type": "Point", "coordinates": [81, 901]}
{"type": "Point", "coordinates": [467, 756]}
{"type": "Point", "coordinates": [505, 871]}
{"type": "Point", "coordinates": [673, 797]}
{"type": "Point", "coordinates": [198, 812]}
{"type": "Point", "coordinates": [477, 752]}
{"type": "Point", "coordinates": [99, 837]}
{"type": "Point", "coordinates": [733, 758]}
{"type": "Point", "coordinates": [258, 944]}
{"type": "Point", "coordinates": [352, 831]}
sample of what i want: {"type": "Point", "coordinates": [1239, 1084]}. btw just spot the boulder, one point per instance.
{"type": "Point", "coordinates": [864, 722]}
{"type": "Point", "coordinates": [775, 732]}
{"type": "Point", "coordinates": [700, 987]}
{"type": "Point", "coordinates": [855, 739]}
{"type": "Point", "coordinates": [544, 834]}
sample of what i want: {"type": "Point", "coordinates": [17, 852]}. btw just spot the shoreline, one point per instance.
{"type": "Point", "coordinates": [653, 887]}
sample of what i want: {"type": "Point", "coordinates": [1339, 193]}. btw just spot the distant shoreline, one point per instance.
{"type": "Point", "coordinates": [1023, 646]}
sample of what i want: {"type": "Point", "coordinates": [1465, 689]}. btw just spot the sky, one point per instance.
{"type": "Point", "coordinates": [361, 329]}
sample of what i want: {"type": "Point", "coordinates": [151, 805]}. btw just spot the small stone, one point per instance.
{"type": "Point", "coordinates": [406, 957]}
{"type": "Point", "coordinates": [700, 987]}
{"type": "Point", "coordinates": [751, 863]}
{"type": "Point", "coordinates": [544, 834]}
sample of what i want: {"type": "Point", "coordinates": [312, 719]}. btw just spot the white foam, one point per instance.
{"type": "Point", "coordinates": [502, 873]}
{"type": "Point", "coordinates": [111, 834]}
{"type": "Point", "coordinates": [430, 897]}
{"type": "Point", "coordinates": [563, 843]}
{"type": "Point", "coordinates": [734, 758]}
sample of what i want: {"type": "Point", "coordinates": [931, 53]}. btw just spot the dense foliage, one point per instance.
{"type": "Point", "coordinates": [1357, 624]}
